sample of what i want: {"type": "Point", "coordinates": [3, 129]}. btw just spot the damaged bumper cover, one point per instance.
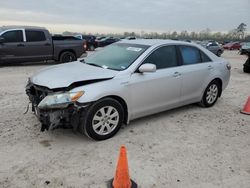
{"type": "Point", "coordinates": [66, 115]}
{"type": "Point", "coordinates": [65, 118]}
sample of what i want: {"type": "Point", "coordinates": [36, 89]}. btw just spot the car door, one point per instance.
{"type": "Point", "coordinates": [160, 90]}
{"type": "Point", "coordinates": [196, 71]}
{"type": "Point", "coordinates": [38, 46]}
{"type": "Point", "coordinates": [12, 49]}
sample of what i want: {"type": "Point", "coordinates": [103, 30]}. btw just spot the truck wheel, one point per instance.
{"type": "Point", "coordinates": [67, 57]}
{"type": "Point", "coordinates": [102, 120]}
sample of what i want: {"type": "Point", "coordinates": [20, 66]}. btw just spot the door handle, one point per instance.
{"type": "Point", "coordinates": [176, 74]}
{"type": "Point", "coordinates": [47, 44]}
{"type": "Point", "coordinates": [210, 67]}
{"type": "Point", "coordinates": [20, 45]}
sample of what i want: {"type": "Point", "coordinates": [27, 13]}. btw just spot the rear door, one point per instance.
{"type": "Point", "coordinates": [13, 48]}
{"type": "Point", "coordinates": [160, 90]}
{"type": "Point", "coordinates": [38, 45]}
{"type": "Point", "coordinates": [196, 71]}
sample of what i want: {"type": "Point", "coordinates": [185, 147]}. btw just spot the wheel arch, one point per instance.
{"type": "Point", "coordinates": [221, 84]}
{"type": "Point", "coordinates": [123, 103]}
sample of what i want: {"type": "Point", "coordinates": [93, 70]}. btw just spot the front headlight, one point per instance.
{"type": "Point", "coordinates": [60, 100]}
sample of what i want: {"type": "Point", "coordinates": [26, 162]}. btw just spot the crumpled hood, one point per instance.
{"type": "Point", "coordinates": [64, 75]}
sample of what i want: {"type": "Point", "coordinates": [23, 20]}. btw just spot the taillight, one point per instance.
{"type": "Point", "coordinates": [228, 66]}
{"type": "Point", "coordinates": [85, 46]}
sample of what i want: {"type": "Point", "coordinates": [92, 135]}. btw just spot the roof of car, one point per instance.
{"type": "Point", "coordinates": [3, 28]}
{"type": "Point", "coordinates": [152, 42]}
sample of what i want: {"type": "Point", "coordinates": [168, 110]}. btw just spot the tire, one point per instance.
{"type": "Point", "coordinates": [219, 53]}
{"type": "Point", "coordinates": [91, 48]}
{"type": "Point", "coordinates": [67, 57]}
{"type": "Point", "coordinates": [96, 121]}
{"type": "Point", "coordinates": [246, 69]}
{"type": "Point", "coordinates": [213, 90]}
{"type": "Point", "coordinates": [246, 66]}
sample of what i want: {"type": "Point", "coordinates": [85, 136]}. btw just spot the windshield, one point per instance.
{"type": "Point", "coordinates": [117, 56]}
{"type": "Point", "coordinates": [204, 43]}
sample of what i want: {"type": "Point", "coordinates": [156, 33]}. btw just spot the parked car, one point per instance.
{"type": "Point", "coordinates": [100, 38]}
{"type": "Point", "coordinates": [125, 81]}
{"type": "Point", "coordinates": [131, 38]}
{"type": "Point", "coordinates": [213, 46]}
{"type": "Point", "coordinates": [246, 66]}
{"type": "Point", "coordinates": [90, 40]}
{"type": "Point", "coordinates": [106, 41]}
{"type": "Point", "coordinates": [232, 46]}
{"type": "Point", "coordinates": [26, 44]}
{"type": "Point", "coordinates": [245, 48]}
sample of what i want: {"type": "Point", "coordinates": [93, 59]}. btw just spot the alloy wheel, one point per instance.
{"type": "Point", "coordinates": [212, 94]}
{"type": "Point", "coordinates": [105, 120]}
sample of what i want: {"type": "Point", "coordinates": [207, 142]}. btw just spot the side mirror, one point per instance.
{"type": "Point", "coordinates": [147, 67]}
{"type": "Point", "coordinates": [1, 40]}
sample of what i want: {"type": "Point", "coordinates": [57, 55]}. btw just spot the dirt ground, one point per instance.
{"type": "Point", "coordinates": [189, 147]}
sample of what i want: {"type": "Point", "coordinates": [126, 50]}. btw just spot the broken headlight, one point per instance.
{"type": "Point", "coordinates": [59, 100]}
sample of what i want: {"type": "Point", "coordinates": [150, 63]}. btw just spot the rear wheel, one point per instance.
{"type": "Point", "coordinates": [103, 119]}
{"type": "Point", "coordinates": [219, 53]}
{"type": "Point", "coordinates": [67, 57]}
{"type": "Point", "coordinates": [211, 94]}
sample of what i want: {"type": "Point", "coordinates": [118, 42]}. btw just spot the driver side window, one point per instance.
{"type": "Point", "coordinates": [163, 57]}
{"type": "Point", "coordinates": [13, 36]}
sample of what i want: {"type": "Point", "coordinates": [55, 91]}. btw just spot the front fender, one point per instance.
{"type": "Point", "coordinates": [112, 87]}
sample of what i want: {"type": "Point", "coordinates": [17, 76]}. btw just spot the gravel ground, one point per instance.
{"type": "Point", "coordinates": [186, 147]}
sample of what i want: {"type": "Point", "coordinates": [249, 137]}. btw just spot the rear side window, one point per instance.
{"type": "Point", "coordinates": [13, 36]}
{"type": "Point", "coordinates": [163, 57]}
{"type": "Point", "coordinates": [204, 57]}
{"type": "Point", "coordinates": [190, 55]}
{"type": "Point", "coordinates": [35, 36]}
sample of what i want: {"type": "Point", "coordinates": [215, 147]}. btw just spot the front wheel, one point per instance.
{"type": "Point", "coordinates": [103, 119]}
{"type": "Point", "coordinates": [211, 94]}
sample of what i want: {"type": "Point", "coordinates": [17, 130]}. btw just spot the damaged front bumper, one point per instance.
{"type": "Point", "coordinates": [67, 117]}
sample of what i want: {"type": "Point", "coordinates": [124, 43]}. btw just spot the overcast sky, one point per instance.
{"type": "Point", "coordinates": [126, 15]}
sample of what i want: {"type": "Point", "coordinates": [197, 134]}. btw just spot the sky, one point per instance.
{"type": "Point", "coordinates": [118, 16]}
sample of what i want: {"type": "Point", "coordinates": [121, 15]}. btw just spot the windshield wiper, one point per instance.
{"type": "Point", "coordinates": [94, 64]}
{"type": "Point", "coordinates": [83, 61]}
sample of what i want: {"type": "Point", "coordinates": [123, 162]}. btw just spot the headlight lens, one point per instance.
{"type": "Point", "coordinates": [60, 100]}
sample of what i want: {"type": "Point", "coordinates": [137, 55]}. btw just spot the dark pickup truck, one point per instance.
{"type": "Point", "coordinates": [28, 44]}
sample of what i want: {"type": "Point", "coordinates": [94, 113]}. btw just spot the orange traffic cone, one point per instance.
{"type": "Point", "coordinates": [246, 109]}
{"type": "Point", "coordinates": [122, 179]}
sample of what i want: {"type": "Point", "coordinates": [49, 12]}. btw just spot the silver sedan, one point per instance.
{"type": "Point", "coordinates": [125, 81]}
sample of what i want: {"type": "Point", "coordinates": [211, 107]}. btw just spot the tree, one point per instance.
{"type": "Point", "coordinates": [241, 30]}
{"type": "Point", "coordinates": [174, 35]}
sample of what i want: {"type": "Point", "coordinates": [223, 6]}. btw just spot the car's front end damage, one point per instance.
{"type": "Point", "coordinates": [55, 108]}
{"type": "Point", "coordinates": [54, 95]}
